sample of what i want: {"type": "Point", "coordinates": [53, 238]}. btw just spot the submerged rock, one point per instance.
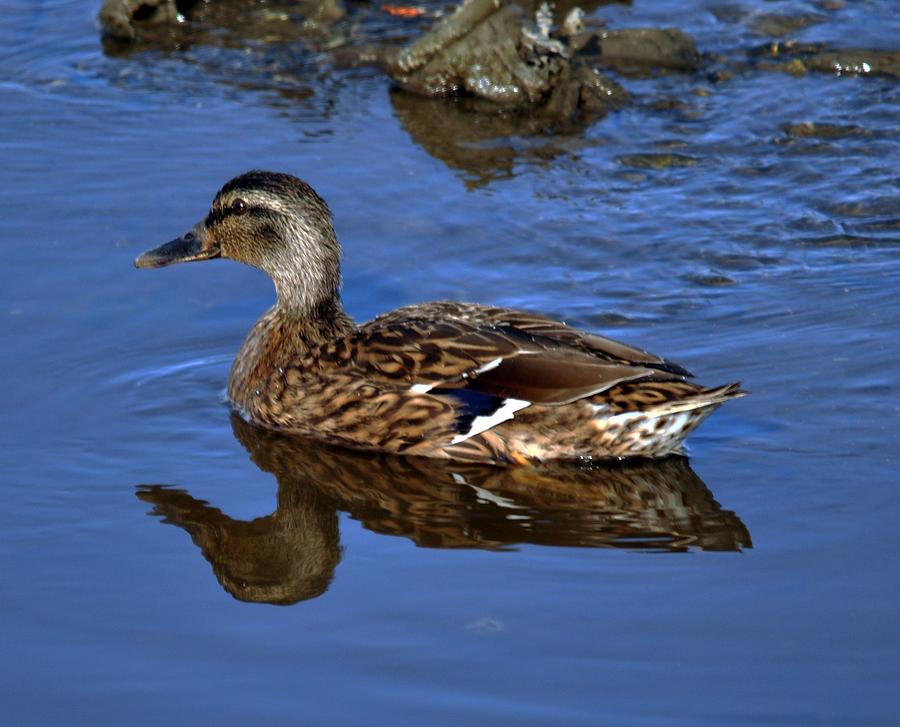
{"type": "Point", "coordinates": [802, 58]}
{"type": "Point", "coordinates": [811, 130]}
{"type": "Point", "coordinates": [777, 25]}
{"type": "Point", "coordinates": [636, 50]}
{"type": "Point", "coordinates": [162, 23]}
{"type": "Point", "coordinates": [657, 160]}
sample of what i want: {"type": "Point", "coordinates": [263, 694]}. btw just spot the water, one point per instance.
{"type": "Point", "coordinates": [758, 586]}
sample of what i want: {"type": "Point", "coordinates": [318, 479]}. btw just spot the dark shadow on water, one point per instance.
{"type": "Point", "coordinates": [291, 555]}
{"type": "Point", "coordinates": [475, 137]}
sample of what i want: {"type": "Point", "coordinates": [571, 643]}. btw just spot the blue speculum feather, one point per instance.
{"type": "Point", "coordinates": [472, 404]}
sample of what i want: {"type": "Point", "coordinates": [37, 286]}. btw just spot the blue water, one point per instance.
{"type": "Point", "coordinates": [759, 587]}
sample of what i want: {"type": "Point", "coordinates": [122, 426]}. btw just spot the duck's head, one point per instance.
{"type": "Point", "coordinates": [272, 221]}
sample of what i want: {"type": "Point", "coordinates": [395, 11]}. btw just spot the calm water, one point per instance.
{"type": "Point", "coordinates": [141, 528]}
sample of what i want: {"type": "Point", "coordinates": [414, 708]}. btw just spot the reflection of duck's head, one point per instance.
{"type": "Point", "coordinates": [282, 558]}
{"type": "Point", "coordinates": [274, 222]}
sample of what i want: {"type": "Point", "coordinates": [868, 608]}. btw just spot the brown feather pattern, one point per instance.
{"type": "Point", "coordinates": [357, 389]}
{"type": "Point", "coordinates": [405, 381]}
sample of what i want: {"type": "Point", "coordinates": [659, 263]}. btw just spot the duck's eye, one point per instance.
{"type": "Point", "coordinates": [238, 206]}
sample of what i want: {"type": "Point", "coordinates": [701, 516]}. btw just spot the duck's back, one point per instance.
{"type": "Point", "coordinates": [480, 383]}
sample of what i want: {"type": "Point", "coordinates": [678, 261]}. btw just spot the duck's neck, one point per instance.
{"type": "Point", "coordinates": [285, 332]}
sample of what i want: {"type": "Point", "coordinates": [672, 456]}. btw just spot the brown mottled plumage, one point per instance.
{"type": "Point", "coordinates": [450, 380]}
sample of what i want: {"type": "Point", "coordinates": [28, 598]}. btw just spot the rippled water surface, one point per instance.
{"type": "Point", "coordinates": [145, 533]}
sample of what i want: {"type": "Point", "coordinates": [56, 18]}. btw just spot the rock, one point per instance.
{"type": "Point", "coordinates": [172, 23]}
{"type": "Point", "coordinates": [801, 58]}
{"type": "Point", "coordinates": [856, 62]}
{"type": "Point", "coordinates": [634, 51]}
{"type": "Point", "coordinates": [119, 18]}
{"type": "Point", "coordinates": [484, 49]}
{"type": "Point", "coordinates": [775, 25]}
{"type": "Point", "coordinates": [489, 50]}
{"type": "Point", "coordinates": [582, 92]}
{"type": "Point", "coordinates": [810, 130]}
{"type": "Point", "coordinates": [657, 160]}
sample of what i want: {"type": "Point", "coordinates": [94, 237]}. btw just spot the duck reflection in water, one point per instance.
{"type": "Point", "coordinates": [291, 555]}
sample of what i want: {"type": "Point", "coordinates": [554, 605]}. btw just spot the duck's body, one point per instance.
{"type": "Point", "coordinates": [450, 380]}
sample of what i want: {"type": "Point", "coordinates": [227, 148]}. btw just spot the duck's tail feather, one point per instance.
{"type": "Point", "coordinates": [706, 398]}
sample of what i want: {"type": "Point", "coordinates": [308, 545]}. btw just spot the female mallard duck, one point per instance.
{"type": "Point", "coordinates": [453, 380]}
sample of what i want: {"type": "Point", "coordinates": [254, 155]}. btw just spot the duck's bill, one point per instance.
{"type": "Point", "coordinates": [183, 249]}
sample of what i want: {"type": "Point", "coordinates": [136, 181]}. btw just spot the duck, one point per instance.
{"type": "Point", "coordinates": [452, 380]}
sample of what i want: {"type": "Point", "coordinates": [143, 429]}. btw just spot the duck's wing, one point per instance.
{"type": "Point", "coordinates": [502, 354]}
{"type": "Point", "coordinates": [540, 328]}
